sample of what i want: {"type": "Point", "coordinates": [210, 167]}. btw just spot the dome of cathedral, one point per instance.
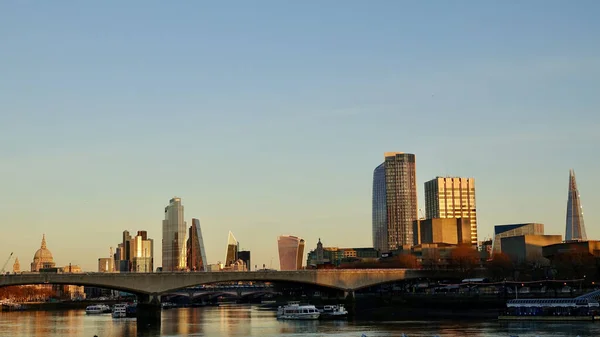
{"type": "Point", "coordinates": [42, 258]}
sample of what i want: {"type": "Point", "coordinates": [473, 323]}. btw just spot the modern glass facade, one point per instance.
{"type": "Point", "coordinates": [401, 198]}
{"type": "Point", "coordinates": [379, 211]}
{"type": "Point", "coordinates": [196, 256]}
{"type": "Point", "coordinates": [291, 252]}
{"type": "Point", "coordinates": [452, 197]}
{"type": "Point", "coordinates": [575, 229]}
{"type": "Point", "coordinates": [173, 238]}
{"type": "Point", "coordinates": [232, 250]}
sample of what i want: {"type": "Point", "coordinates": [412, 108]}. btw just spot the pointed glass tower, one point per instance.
{"type": "Point", "coordinates": [232, 250]}
{"type": "Point", "coordinates": [575, 227]}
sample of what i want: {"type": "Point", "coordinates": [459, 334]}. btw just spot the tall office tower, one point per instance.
{"type": "Point", "coordinates": [395, 190]}
{"type": "Point", "coordinates": [244, 255]}
{"type": "Point", "coordinates": [233, 247]}
{"type": "Point", "coordinates": [142, 253]}
{"type": "Point", "coordinates": [173, 239]}
{"type": "Point", "coordinates": [196, 256]}
{"type": "Point", "coordinates": [452, 197]}
{"type": "Point", "coordinates": [575, 227]}
{"type": "Point", "coordinates": [291, 252]}
{"type": "Point", "coordinates": [379, 216]}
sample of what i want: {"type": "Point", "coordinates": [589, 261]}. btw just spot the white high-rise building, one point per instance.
{"type": "Point", "coordinates": [173, 239]}
{"type": "Point", "coordinates": [452, 197]}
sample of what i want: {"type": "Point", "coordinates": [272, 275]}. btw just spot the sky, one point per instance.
{"type": "Point", "coordinates": [268, 117]}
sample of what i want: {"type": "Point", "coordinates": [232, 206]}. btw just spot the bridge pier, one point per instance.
{"type": "Point", "coordinates": [350, 302]}
{"type": "Point", "coordinates": [148, 312]}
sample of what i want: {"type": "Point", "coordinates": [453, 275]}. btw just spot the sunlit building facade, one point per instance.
{"type": "Point", "coordinates": [142, 253]}
{"type": "Point", "coordinates": [233, 247]}
{"type": "Point", "coordinates": [452, 197]}
{"type": "Point", "coordinates": [173, 239]}
{"type": "Point", "coordinates": [395, 190]}
{"type": "Point", "coordinates": [291, 252]}
{"type": "Point", "coordinates": [506, 231]}
{"type": "Point", "coordinates": [196, 256]}
{"type": "Point", "coordinates": [575, 228]}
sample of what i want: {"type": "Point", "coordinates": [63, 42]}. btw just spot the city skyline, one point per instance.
{"type": "Point", "coordinates": [270, 119]}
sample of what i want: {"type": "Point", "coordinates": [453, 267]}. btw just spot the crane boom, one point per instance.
{"type": "Point", "coordinates": [5, 263]}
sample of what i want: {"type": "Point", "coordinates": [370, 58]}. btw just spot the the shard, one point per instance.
{"type": "Point", "coordinates": [575, 230]}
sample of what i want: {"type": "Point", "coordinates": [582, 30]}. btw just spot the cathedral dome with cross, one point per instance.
{"type": "Point", "coordinates": [42, 258]}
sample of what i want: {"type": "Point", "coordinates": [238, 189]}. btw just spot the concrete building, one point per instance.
{"type": "Point", "coordinates": [452, 197]}
{"type": "Point", "coordinates": [394, 201]}
{"type": "Point", "coordinates": [575, 227]}
{"type": "Point", "coordinates": [173, 237]}
{"type": "Point", "coordinates": [196, 255]}
{"type": "Point", "coordinates": [449, 230]}
{"type": "Point", "coordinates": [233, 247]}
{"type": "Point", "coordinates": [528, 248]}
{"type": "Point", "coordinates": [592, 247]}
{"type": "Point", "coordinates": [291, 251]}
{"type": "Point", "coordinates": [505, 231]}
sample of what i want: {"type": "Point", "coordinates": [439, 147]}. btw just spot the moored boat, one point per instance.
{"type": "Point", "coordinates": [298, 312]}
{"type": "Point", "coordinates": [333, 312]}
{"type": "Point", "coordinates": [119, 311]}
{"type": "Point", "coordinates": [97, 309]}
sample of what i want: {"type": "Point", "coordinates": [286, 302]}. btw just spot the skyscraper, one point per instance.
{"type": "Point", "coordinates": [291, 252]}
{"type": "Point", "coordinates": [379, 216]}
{"type": "Point", "coordinates": [141, 253]}
{"type": "Point", "coordinates": [395, 190]}
{"type": "Point", "coordinates": [173, 239]}
{"type": "Point", "coordinates": [196, 256]}
{"type": "Point", "coordinates": [575, 226]}
{"type": "Point", "coordinates": [232, 250]}
{"type": "Point", "coordinates": [452, 197]}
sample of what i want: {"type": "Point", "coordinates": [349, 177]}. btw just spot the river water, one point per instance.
{"type": "Point", "coordinates": [244, 320]}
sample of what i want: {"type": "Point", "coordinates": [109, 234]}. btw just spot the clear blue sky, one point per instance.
{"type": "Point", "coordinates": [268, 117]}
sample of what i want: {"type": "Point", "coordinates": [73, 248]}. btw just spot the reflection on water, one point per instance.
{"type": "Point", "coordinates": [240, 320]}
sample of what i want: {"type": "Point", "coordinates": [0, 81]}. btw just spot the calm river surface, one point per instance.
{"type": "Point", "coordinates": [239, 320]}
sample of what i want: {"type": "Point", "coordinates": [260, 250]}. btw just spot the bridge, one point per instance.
{"type": "Point", "coordinates": [348, 280]}
{"type": "Point", "coordinates": [148, 287]}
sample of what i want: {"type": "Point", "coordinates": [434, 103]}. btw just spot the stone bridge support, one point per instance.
{"type": "Point", "coordinates": [148, 311]}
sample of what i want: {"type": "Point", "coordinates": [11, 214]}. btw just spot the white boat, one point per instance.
{"type": "Point", "coordinates": [97, 309]}
{"type": "Point", "coordinates": [334, 311]}
{"type": "Point", "coordinates": [119, 311]}
{"type": "Point", "coordinates": [297, 311]}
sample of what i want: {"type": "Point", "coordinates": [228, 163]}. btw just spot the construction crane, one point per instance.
{"type": "Point", "coordinates": [5, 263]}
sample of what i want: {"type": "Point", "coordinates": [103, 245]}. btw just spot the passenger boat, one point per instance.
{"type": "Point", "coordinates": [297, 311]}
{"type": "Point", "coordinates": [119, 311]}
{"type": "Point", "coordinates": [333, 312]}
{"type": "Point", "coordinates": [97, 309]}
{"type": "Point", "coordinates": [552, 309]}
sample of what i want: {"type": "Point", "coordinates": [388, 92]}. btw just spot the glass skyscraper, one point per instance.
{"type": "Point", "coordinates": [395, 189]}
{"type": "Point", "coordinates": [173, 238]}
{"type": "Point", "coordinates": [291, 252]}
{"type": "Point", "coordinates": [575, 229]}
{"type": "Point", "coordinates": [196, 256]}
{"type": "Point", "coordinates": [379, 216]}
{"type": "Point", "coordinates": [233, 247]}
